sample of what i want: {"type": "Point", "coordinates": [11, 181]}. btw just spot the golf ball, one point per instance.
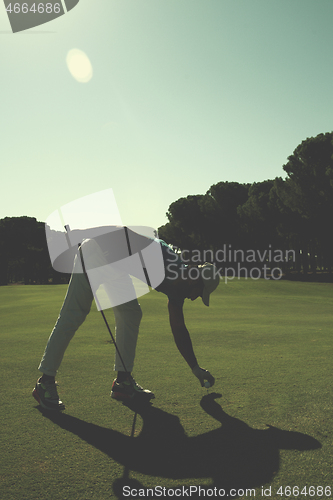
{"type": "Point", "coordinates": [207, 385]}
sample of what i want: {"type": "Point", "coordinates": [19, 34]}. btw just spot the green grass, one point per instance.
{"type": "Point", "coordinates": [269, 345]}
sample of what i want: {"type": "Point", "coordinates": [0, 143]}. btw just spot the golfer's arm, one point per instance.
{"type": "Point", "coordinates": [181, 334]}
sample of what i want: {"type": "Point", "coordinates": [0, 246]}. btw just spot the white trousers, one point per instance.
{"type": "Point", "coordinates": [74, 310]}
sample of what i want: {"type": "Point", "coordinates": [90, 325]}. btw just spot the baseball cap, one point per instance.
{"type": "Point", "coordinates": [211, 280]}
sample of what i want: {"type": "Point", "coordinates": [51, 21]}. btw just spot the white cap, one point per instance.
{"type": "Point", "coordinates": [211, 279]}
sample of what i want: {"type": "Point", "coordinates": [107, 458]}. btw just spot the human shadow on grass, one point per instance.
{"type": "Point", "coordinates": [234, 456]}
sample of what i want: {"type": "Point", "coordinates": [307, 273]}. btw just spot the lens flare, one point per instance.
{"type": "Point", "coordinates": [79, 65]}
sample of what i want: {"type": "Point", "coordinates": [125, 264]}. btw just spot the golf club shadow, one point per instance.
{"type": "Point", "coordinates": [233, 455]}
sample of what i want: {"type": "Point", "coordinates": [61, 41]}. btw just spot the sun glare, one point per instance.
{"type": "Point", "coordinates": [79, 65]}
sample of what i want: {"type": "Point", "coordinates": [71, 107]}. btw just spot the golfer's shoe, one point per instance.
{"type": "Point", "coordinates": [46, 394]}
{"type": "Point", "coordinates": [130, 389]}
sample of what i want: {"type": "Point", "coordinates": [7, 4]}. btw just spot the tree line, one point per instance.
{"type": "Point", "coordinates": [24, 256]}
{"type": "Point", "coordinates": [290, 217]}
{"type": "Point", "coordinates": [286, 223]}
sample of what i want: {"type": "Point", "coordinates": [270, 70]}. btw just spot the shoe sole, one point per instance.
{"type": "Point", "coordinates": [39, 401]}
{"type": "Point", "coordinates": [120, 396]}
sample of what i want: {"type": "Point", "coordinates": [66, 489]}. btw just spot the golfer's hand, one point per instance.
{"type": "Point", "coordinates": [203, 375]}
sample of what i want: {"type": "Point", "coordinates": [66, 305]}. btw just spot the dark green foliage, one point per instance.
{"type": "Point", "coordinates": [292, 213]}
{"type": "Point", "coordinates": [224, 200]}
{"type": "Point", "coordinates": [308, 192]}
{"type": "Point", "coordinates": [24, 255]}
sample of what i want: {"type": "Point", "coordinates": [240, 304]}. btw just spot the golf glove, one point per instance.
{"type": "Point", "coordinates": [203, 375]}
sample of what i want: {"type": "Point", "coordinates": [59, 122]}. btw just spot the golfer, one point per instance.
{"type": "Point", "coordinates": [179, 282]}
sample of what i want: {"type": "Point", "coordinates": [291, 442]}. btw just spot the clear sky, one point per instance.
{"type": "Point", "coordinates": [183, 94]}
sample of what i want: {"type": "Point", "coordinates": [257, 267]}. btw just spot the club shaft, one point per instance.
{"type": "Point", "coordinates": [102, 313]}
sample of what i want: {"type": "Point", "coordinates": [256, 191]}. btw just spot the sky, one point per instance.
{"type": "Point", "coordinates": [162, 99]}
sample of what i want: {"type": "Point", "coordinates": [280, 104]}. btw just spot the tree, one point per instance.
{"type": "Point", "coordinates": [186, 223]}
{"type": "Point", "coordinates": [222, 212]}
{"type": "Point", "coordinates": [206, 222]}
{"type": "Point", "coordinates": [260, 215]}
{"type": "Point", "coordinates": [24, 254]}
{"type": "Point", "coordinates": [308, 191]}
